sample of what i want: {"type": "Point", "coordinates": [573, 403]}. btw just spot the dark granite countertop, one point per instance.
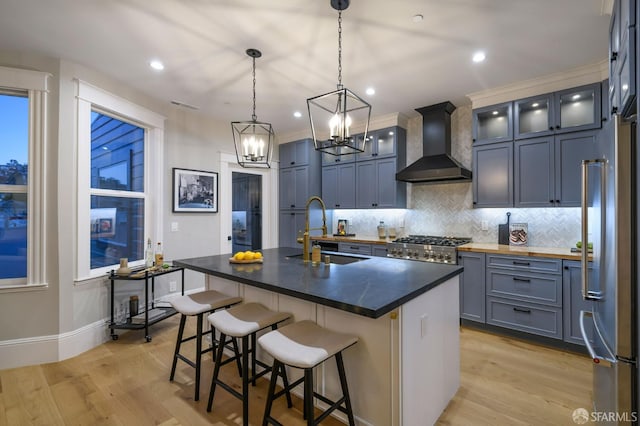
{"type": "Point", "coordinates": [371, 287]}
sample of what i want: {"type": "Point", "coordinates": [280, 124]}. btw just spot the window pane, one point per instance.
{"type": "Point", "coordinates": [13, 235]}
{"type": "Point", "coordinates": [14, 139]}
{"type": "Point", "coordinates": [117, 154]}
{"type": "Point", "coordinates": [117, 230]}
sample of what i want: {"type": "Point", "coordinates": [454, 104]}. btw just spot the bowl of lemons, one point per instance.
{"type": "Point", "coordinates": [246, 257]}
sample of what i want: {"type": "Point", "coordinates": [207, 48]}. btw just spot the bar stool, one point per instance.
{"type": "Point", "coordinates": [243, 321]}
{"type": "Point", "coordinates": [305, 345]}
{"type": "Point", "coordinates": [198, 304]}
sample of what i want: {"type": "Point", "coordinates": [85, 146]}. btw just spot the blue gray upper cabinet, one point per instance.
{"type": "Point", "coordinates": [493, 175]}
{"type": "Point", "coordinates": [534, 116]}
{"type": "Point", "coordinates": [568, 110]}
{"type": "Point", "coordinates": [339, 186]}
{"type": "Point", "coordinates": [577, 109]}
{"type": "Point", "coordinates": [294, 154]}
{"type": "Point", "coordinates": [380, 143]}
{"type": "Point", "coordinates": [328, 159]}
{"type": "Point", "coordinates": [622, 58]}
{"type": "Point", "coordinates": [493, 124]}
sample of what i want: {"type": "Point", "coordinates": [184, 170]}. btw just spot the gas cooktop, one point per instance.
{"type": "Point", "coordinates": [426, 248]}
{"type": "Point", "coordinates": [432, 240]}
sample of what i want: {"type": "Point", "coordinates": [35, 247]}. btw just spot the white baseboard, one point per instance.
{"type": "Point", "coordinates": [43, 349]}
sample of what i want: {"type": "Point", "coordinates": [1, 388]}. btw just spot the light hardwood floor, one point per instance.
{"type": "Point", "coordinates": [503, 382]}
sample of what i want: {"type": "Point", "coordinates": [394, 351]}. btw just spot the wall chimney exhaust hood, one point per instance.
{"type": "Point", "coordinates": [437, 165]}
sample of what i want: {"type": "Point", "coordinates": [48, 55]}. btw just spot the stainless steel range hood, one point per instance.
{"type": "Point", "coordinates": [437, 165]}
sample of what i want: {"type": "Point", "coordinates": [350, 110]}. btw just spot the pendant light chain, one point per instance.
{"type": "Point", "coordinates": [254, 116]}
{"type": "Point", "coordinates": [339, 49]}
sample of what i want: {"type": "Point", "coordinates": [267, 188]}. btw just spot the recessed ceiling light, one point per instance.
{"type": "Point", "coordinates": [417, 18]}
{"type": "Point", "coordinates": [479, 56]}
{"type": "Point", "coordinates": [575, 97]}
{"type": "Point", "coordinates": [297, 114]}
{"type": "Point", "coordinates": [156, 65]}
{"type": "Point", "coordinates": [371, 91]}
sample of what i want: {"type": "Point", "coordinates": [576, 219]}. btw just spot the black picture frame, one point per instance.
{"type": "Point", "coordinates": [194, 191]}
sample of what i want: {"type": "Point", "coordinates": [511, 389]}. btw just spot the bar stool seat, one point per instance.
{"type": "Point", "coordinates": [244, 322]}
{"type": "Point", "coordinates": [198, 304]}
{"type": "Point", "coordinates": [305, 345]}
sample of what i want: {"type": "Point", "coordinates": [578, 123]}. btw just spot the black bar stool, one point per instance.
{"type": "Point", "coordinates": [243, 321]}
{"type": "Point", "coordinates": [198, 304]}
{"type": "Point", "coordinates": [305, 345]}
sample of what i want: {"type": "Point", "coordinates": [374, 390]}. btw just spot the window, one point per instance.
{"type": "Point", "coordinates": [22, 186]}
{"type": "Point", "coordinates": [119, 180]}
{"type": "Point", "coordinates": [117, 190]}
{"type": "Point", "coordinates": [14, 151]}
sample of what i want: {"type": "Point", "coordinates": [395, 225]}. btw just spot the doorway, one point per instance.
{"type": "Point", "coordinates": [246, 214]}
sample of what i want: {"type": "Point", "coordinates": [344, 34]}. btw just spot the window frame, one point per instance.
{"type": "Point", "coordinates": [34, 83]}
{"type": "Point", "coordinates": [91, 98]}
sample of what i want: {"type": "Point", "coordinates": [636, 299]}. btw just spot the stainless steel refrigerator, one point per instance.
{"type": "Point", "coordinates": [609, 223]}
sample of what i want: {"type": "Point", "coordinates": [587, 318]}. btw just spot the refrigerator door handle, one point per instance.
{"type": "Point", "coordinates": [605, 360]}
{"type": "Point", "coordinates": [586, 293]}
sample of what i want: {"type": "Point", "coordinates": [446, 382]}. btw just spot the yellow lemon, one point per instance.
{"type": "Point", "coordinates": [239, 256]}
{"type": "Point", "coordinates": [248, 255]}
{"type": "Point", "coordinates": [257, 255]}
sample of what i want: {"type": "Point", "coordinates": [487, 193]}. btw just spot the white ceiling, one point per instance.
{"type": "Point", "coordinates": [203, 43]}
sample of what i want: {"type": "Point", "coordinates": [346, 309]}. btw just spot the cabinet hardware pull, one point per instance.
{"type": "Point", "coordinates": [524, 311]}
{"type": "Point", "coordinates": [614, 56]}
{"type": "Point", "coordinates": [557, 127]}
{"type": "Point", "coordinates": [354, 248]}
{"type": "Point", "coordinates": [515, 262]}
{"type": "Point", "coordinates": [551, 201]}
{"type": "Point", "coordinates": [292, 163]}
{"type": "Point", "coordinates": [558, 201]}
{"type": "Point", "coordinates": [550, 127]}
{"type": "Point", "coordinates": [524, 280]}
{"type": "Point", "coordinates": [293, 206]}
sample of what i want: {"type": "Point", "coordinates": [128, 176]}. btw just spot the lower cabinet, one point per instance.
{"type": "Point", "coordinates": [378, 250]}
{"type": "Point", "coordinates": [574, 303]}
{"type": "Point", "coordinates": [472, 286]}
{"type": "Point", "coordinates": [355, 248]}
{"type": "Point", "coordinates": [521, 297]}
{"type": "Point", "coordinates": [537, 295]}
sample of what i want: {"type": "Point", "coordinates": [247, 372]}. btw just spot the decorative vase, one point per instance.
{"type": "Point", "coordinates": [124, 267]}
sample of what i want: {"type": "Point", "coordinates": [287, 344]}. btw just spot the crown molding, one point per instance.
{"type": "Point", "coordinates": [551, 83]}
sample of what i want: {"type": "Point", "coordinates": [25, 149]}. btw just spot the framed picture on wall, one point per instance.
{"type": "Point", "coordinates": [195, 191]}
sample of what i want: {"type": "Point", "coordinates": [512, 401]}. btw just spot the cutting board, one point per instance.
{"type": "Point", "coordinates": [503, 232]}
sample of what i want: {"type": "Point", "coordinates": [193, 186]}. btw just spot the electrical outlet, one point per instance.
{"type": "Point", "coordinates": [174, 227]}
{"type": "Point", "coordinates": [173, 286]}
{"type": "Point", "coordinates": [484, 225]}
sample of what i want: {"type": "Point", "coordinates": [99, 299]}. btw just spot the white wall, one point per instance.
{"type": "Point", "coordinates": [68, 317]}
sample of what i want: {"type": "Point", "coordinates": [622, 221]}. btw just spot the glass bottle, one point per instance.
{"type": "Point", "coordinates": [382, 230]}
{"type": "Point", "coordinates": [148, 256]}
{"type": "Point", "coordinates": [159, 255]}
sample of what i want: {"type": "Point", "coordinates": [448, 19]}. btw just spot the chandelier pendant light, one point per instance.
{"type": "Point", "coordinates": [333, 114]}
{"type": "Point", "coordinates": [253, 139]}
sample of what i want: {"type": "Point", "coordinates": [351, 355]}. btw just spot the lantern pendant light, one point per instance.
{"type": "Point", "coordinates": [253, 139]}
{"type": "Point", "coordinates": [333, 113]}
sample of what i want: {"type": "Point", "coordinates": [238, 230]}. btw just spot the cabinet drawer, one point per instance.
{"type": "Point", "coordinates": [355, 248]}
{"type": "Point", "coordinates": [380, 251]}
{"type": "Point", "coordinates": [537, 288]}
{"type": "Point", "coordinates": [521, 263]}
{"type": "Point", "coordinates": [535, 319]}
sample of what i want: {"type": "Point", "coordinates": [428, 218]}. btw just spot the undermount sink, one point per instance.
{"type": "Point", "coordinates": [337, 259]}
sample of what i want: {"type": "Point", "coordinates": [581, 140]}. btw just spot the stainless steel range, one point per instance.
{"type": "Point", "coordinates": [426, 248]}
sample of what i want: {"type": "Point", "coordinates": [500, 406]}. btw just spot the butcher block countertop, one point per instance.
{"type": "Point", "coordinates": [554, 252]}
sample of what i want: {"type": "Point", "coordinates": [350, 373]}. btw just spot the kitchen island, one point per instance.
{"type": "Point", "coordinates": [405, 367]}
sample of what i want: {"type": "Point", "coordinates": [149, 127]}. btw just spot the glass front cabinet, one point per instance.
{"type": "Point", "coordinates": [493, 124]}
{"type": "Point", "coordinates": [568, 110]}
